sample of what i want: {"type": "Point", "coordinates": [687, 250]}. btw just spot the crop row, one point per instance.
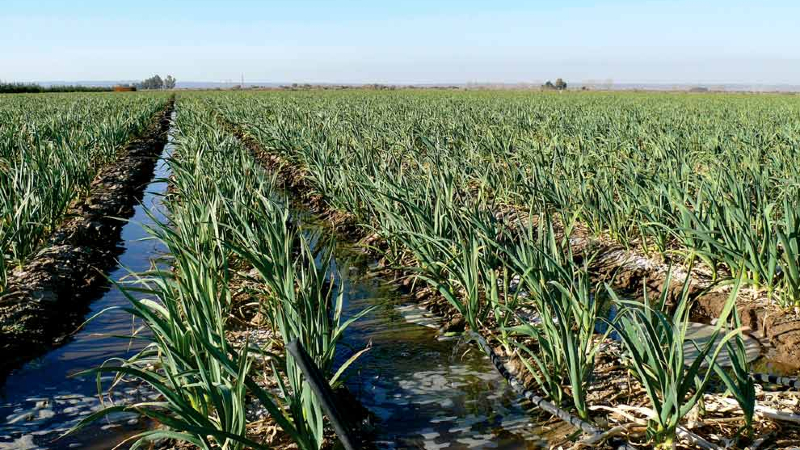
{"type": "Point", "coordinates": [677, 177]}
{"type": "Point", "coordinates": [50, 150]}
{"type": "Point", "coordinates": [232, 246]}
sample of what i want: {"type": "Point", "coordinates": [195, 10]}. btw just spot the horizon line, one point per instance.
{"type": "Point", "coordinates": [425, 83]}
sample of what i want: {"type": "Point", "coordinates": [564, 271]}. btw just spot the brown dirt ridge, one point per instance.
{"type": "Point", "coordinates": [47, 299]}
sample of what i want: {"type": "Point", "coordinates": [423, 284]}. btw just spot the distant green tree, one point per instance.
{"type": "Point", "coordinates": [17, 88]}
{"type": "Point", "coordinates": [169, 82]}
{"type": "Point", "coordinates": [154, 82]}
{"type": "Point", "coordinates": [559, 86]}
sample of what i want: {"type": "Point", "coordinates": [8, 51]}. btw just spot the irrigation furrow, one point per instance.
{"type": "Point", "coordinates": [424, 390]}
{"type": "Point", "coordinates": [409, 372]}
{"type": "Point", "coordinates": [43, 399]}
{"type": "Point", "coordinates": [46, 299]}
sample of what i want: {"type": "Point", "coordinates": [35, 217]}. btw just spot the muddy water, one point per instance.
{"type": "Point", "coordinates": [424, 391]}
{"type": "Point", "coordinates": [43, 399]}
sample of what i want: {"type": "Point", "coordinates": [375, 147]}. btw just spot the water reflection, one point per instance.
{"type": "Point", "coordinates": [43, 399]}
{"type": "Point", "coordinates": [426, 392]}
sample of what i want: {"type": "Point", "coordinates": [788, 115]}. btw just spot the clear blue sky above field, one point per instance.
{"type": "Point", "coordinates": [403, 41]}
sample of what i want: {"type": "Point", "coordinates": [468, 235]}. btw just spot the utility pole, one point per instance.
{"type": "Point", "coordinates": [242, 80]}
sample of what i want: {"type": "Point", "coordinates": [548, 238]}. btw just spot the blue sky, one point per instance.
{"type": "Point", "coordinates": [701, 41]}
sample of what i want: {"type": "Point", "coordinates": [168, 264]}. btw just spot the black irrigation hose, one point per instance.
{"type": "Point", "coordinates": [539, 401]}
{"type": "Point", "coordinates": [584, 426]}
{"type": "Point", "coordinates": [322, 390]}
{"type": "Point", "coordinates": [774, 379]}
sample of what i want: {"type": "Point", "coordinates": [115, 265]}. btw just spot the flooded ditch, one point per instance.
{"type": "Point", "coordinates": [41, 400]}
{"type": "Point", "coordinates": [425, 391]}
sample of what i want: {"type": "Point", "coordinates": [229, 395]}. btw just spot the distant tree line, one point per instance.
{"type": "Point", "coordinates": [156, 82]}
{"type": "Point", "coordinates": [21, 88]}
{"type": "Point", "coordinates": [559, 86]}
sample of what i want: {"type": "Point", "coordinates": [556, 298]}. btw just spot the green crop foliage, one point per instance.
{"type": "Point", "coordinates": [480, 195]}
{"type": "Point", "coordinates": [51, 147]}
{"type": "Point", "coordinates": [567, 308]}
{"type": "Point", "coordinates": [447, 180]}
{"type": "Point", "coordinates": [226, 217]}
{"type": "Point", "coordinates": [654, 343]}
{"type": "Point", "coordinates": [708, 177]}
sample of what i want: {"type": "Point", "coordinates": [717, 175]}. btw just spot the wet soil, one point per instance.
{"type": "Point", "coordinates": [631, 272]}
{"type": "Point", "coordinates": [778, 328]}
{"type": "Point", "coordinates": [47, 299]}
{"type": "Point", "coordinates": [47, 396]}
{"type": "Point", "coordinates": [423, 390]}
